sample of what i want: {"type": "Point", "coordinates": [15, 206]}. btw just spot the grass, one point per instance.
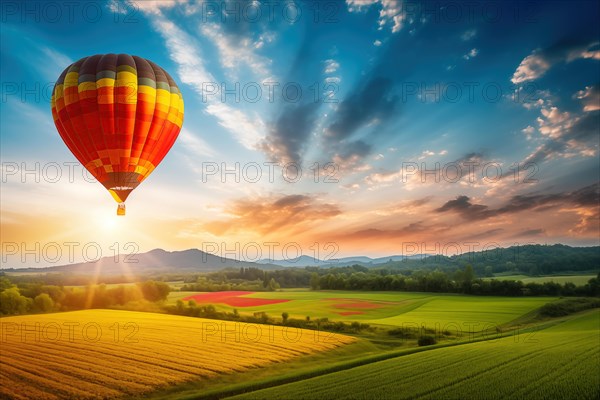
{"type": "Point", "coordinates": [435, 311]}
{"type": "Point", "coordinates": [110, 353]}
{"type": "Point", "coordinates": [559, 362]}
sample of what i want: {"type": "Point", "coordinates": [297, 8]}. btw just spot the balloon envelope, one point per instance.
{"type": "Point", "coordinates": [119, 115]}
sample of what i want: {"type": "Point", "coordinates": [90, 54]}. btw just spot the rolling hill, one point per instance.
{"type": "Point", "coordinates": [154, 261]}
{"type": "Point", "coordinates": [531, 259]}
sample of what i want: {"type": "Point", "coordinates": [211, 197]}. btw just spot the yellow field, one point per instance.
{"type": "Point", "coordinates": [108, 353]}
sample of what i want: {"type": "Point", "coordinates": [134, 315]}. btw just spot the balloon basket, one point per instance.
{"type": "Point", "coordinates": [121, 209]}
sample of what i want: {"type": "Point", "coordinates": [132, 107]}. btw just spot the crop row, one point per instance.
{"type": "Point", "coordinates": [559, 362]}
{"type": "Point", "coordinates": [166, 350]}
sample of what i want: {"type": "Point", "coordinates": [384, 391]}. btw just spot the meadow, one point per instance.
{"type": "Point", "coordinates": [560, 362]}
{"type": "Point", "coordinates": [389, 308]}
{"type": "Point", "coordinates": [111, 353]}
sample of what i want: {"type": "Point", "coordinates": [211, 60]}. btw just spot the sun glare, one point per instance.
{"type": "Point", "coordinates": [108, 225]}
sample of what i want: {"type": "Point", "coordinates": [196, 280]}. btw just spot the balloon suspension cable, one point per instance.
{"type": "Point", "coordinates": [121, 209]}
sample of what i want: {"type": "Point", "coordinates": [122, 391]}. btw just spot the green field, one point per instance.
{"type": "Point", "coordinates": [435, 311]}
{"type": "Point", "coordinates": [578, 280]}
{"type": "Point", "coordinates": [560, 362]}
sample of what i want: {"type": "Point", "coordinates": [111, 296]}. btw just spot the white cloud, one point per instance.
{"type": "Point", "coordinates": [390, 13]}
{"type": "Point", "coordinates": [195, 144]}
{"type": "Point", "coordinates": [117, 7]}
{"type": "Point", "coordinates": [182, 50]}
{"type": "Point", "coordinates": [539, 103]}
{"type": "Point", "coordinates": [377, 43]}
{"type": "Point", "coordinates": [426, 153]}
{"type": "Point", "coordinates": [590, 97]}
{"type": "Point", "coordinates": [532, 100]}
{"type": "Point", "coordinates": [529, 131]}
{"type": "Point", "coordinates": [267, 37]}
{"type": "Point", "coordinates": [398, 19]}
{"type": "Point", "coordinates": [154, 7]}
{"type": "Point", "coordinates": [352, 187]}
{"type": "Point", "coordinates": [382, 179]}
{"type": "Point", "coordinates": [554, 123]}
{"type": "Point", "coordinates": [532, 67]}
{"type": "Point", "coordinates": [54, 64]}
{"type": "Point", "coordinates": [565, 135]}
{"type": "Point", "coordinates": [235, 52]}
{"type": "Point", "coordinates": [359, 5]}
{"type": "Point", "coordinates": [468, 35]}
{"type": "Point", "coordinates": [539, 62]}
{"type": "Point", "coordinates": [471, 54]}
{"type": "Point", "coordinates": [351, 164]}
{"type": "Point", "coordinates": [589, 52]}
{"type": "Point", "coordinates": [593, 54]}
{"type": "Point", "coordinates": [249, 131]}
{"type": "Point", "coordinates": [331, 66]}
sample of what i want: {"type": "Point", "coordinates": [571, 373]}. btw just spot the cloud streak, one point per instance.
{"type": "Point", "coordinates": [535, 65]}
{"type": "Point", "coordinates": [586, 197]}
{"type": "Point", "coordinates": [248, 131]}
{"type": "Point", "coordinates": [271, 215]}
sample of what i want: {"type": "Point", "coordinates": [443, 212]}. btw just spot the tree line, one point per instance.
{"type": "Point", "coordinates": [460, 281]}
{"type": "Point", "coordinates": [40, 298]}
{"type": "Point", "coordinates": [192, 309]}
{"type": "Point", "coordinates": [357, 277]}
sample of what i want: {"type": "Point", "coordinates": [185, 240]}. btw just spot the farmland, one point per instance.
{"type": "Point", "coordinates": [386, 308]}
{"type": "Point", "coordinates": [110, 353]}
{"type": "Point", "coordinates": [481, 340]}
{"type": "Point", "coordinates": [124, 354]}
{"type": "Point", "coordinates": [558, 362]}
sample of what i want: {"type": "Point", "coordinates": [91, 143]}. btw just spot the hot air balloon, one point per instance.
{"type": "Point", "coordinates": [119, 115]}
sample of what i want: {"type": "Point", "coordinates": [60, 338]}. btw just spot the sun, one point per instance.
{"type": "Point", "coordinates": [107, 225]}
{"type": "Point", "coordinates": [109, 222]}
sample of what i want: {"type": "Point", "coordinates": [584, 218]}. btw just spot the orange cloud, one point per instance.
{"type": "Point", "coordinates": [271, 215]}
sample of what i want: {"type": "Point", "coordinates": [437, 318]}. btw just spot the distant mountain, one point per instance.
{"type": "Point", "coordinates": [533, 259]}
{"type": "Point", "coordinates": [307, 261]}
{"type": "Point", "coordinates": [529, 259]}
{"type": "Point", "coordinates": [154, 261]}
{"type": "Point", "coordinates": [300, 262]}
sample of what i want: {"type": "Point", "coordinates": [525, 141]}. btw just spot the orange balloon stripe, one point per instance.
{"type": "Point", "coordinates": [162, 108]}
{"type": "Point", "coordinates": [64, 135]}
{"type": "Point", "coordinates": [73, 109]}
{"type": "Point", "coordinates": [89, 106]}
{"type": "Point", "coordinates": [73, 142]}
{"type": "Point", "coordinates": [144, 117]}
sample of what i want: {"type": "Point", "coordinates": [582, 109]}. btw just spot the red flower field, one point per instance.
{"type": "Point", "coordinates": [233, 299]}
{"type": "Point", "coordinates": [356, 304]}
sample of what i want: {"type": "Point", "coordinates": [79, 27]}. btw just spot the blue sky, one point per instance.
{"type": "Point", "coordinates": [389, 89]}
